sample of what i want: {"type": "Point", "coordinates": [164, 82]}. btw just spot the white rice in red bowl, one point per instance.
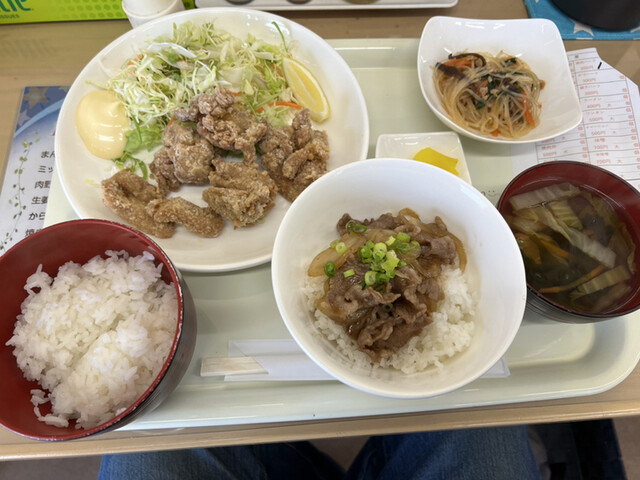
{"type": "Point", "coordinates": [95, 336]}
{"type": "Point", "coordinates": [99, 328]}
{"type": "Point", "coordinates": [469, 329]}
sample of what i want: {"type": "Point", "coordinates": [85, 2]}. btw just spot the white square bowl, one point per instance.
{"type": "Point", "coordinates": [536, 41]}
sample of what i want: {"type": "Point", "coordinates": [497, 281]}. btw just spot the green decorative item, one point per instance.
{"type": "Point", "coordinates": [34, 11]}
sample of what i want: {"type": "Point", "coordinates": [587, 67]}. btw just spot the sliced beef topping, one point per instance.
{"type": "Point", "coordinates": [384, 299]}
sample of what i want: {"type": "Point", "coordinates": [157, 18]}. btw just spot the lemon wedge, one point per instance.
{"type": "Point", "coordinates": [433, 157]}
{"type": "Point", "coordinates": [306, 89]}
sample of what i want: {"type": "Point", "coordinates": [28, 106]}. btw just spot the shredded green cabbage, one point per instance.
{"type": "Point", "coordinates": [173, 69]}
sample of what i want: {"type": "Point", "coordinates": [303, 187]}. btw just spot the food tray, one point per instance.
{"type": "Point", "coordinates": [286, 5]}
{"type": "Point", "coordinates": [547, 360]}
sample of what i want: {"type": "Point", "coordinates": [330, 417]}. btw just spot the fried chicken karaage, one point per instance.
{"type": "Point", "coordinates": [282, 159]}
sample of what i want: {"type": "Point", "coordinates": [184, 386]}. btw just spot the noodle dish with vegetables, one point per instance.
{"type": "Point", "coordinates": [489, 95]}
{"type": "Point", "coordinates": [498, 81]}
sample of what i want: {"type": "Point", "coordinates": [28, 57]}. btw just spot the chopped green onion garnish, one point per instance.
{"type": "Point", "coordinates": [354, 227]}
{"type": "Point", "coordinates": [382, 257]}
{"type": "Point", "coordinates": [382, 277]}
{"type": "Point", "coordinates": [370, 277]}
{"type": "Point", "coordinates": [330, 269]}
{"type": "Point", "coordinates": [365, 253]}
{"type": "Point", "coordinates": [390, 263]}
{"type": "Point", "coordinates": [405, 247]}
{"type": "Point", "coordinates": [379, 251]}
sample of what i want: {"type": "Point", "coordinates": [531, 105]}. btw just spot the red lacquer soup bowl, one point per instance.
{"type": "Point", "coordinates": [597, 182]}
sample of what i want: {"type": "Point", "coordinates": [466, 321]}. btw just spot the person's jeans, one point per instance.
{"type": "Point", "coordinates": [471, 454]}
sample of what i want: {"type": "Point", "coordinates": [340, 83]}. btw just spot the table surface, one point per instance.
{"type": "Point", "coordinates": [54, 53]}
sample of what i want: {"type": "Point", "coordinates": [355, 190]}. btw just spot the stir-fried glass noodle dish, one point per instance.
{"type": "Point", "coordinates": [392, 292]}
{"type": "Point", "coordinates": [577, 251]}
{"type": "Point", "coordinates": [489, 95]}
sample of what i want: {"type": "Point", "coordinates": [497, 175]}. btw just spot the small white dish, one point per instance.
{"type": "Point", "coordinates": [407, 145]}
{"type": "Point", "coordinates": [536, 41]}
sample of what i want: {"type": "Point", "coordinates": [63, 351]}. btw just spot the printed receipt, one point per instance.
{"type": "Point", "coordinates": [608, 134]}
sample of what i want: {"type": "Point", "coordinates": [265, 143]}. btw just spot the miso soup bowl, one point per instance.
{"type": "Point", "coordinates": [597, 181]}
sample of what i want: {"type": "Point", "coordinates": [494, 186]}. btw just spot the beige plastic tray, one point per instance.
{"type": "Point", "coordinates": [547, 360]}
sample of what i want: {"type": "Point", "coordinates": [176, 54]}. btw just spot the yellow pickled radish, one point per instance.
{"type": "Point", "coordinates": [306, 89]}
{"type": "Point", "coordinates": [433, 157]}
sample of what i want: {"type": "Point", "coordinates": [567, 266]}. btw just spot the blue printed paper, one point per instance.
{"type": "Point", "coordinates": [27, 180]}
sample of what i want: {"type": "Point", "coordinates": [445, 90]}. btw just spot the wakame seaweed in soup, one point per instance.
{"type": "Point", "coordinates": [577, 251]}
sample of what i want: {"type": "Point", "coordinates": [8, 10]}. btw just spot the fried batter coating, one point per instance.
{"type": "Point", "coordinates": [184, 158]}
{"type": "Point", "coordinates": [127, 195]}
{"type": "Point", "coordinates": [240, 192]}
{"type": "Point", "coordinates": [201, 221]}
{"type": "Point", "coordinates": [191, 154]}
{"type": "Point", "coordinates": [292, 157]}
{"type": "Point", "coordinates": [223, 124]}
{"type": "Point", "coordinates": [164, 171]}
{"type": "Point", "coordinates": [295, 156]}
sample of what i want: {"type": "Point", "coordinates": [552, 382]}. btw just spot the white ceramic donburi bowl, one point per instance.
{"type": "Point", "coordinates": [536, 41]}
{"type": "Point", "coordinates": [368, 189]}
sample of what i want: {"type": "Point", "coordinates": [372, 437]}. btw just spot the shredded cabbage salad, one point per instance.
{"type": "Point", "coordinates": [173, 69]}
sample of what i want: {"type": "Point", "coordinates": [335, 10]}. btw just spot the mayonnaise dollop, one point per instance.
{"type": "Point", "coordinates": [102, 123]}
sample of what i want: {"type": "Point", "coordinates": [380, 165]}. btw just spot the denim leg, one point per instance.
{"type": "Point", "coordinates": [248, 462]}
{"type": "Point", "coordinates": [501, 453]}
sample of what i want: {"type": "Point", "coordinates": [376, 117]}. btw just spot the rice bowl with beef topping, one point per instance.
{"type": "Point", "coordinates": [392, 292]}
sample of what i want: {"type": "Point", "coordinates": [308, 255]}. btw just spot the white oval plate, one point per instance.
{"type": "Point", "coordinates": [537, 41]}
{"type": "Point", "coordinates": [348, 129]}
